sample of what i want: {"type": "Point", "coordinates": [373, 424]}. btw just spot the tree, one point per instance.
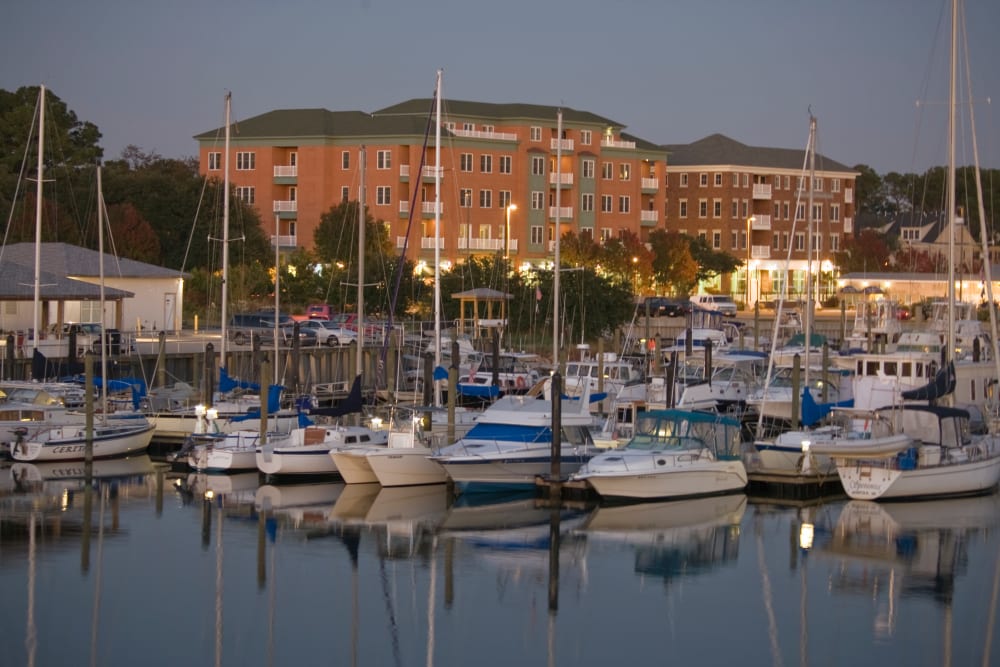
{"type": "Point", "coordinates": [711, 263]}
{"type": "Point", "coordinates": [131, 236]}
{"type": "Point", "coordinates": [674, 267]}
{"type": "Point", "coordinates": [868, 251]}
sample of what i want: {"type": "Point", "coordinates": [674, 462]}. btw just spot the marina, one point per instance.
{"type": "Point", "coordinates": [262, 574]}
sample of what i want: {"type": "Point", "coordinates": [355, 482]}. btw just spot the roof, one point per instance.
{"type": "Point", "coordinates": [320, 123]}
{"type": "Point", "coordinates": [718, 149]}
{"type": "Point", "coordinates": [64, 265]}
{"type": "Point", "coordinates": [484, 293]}
{"type": "Point", "coordinates": [497, 111]}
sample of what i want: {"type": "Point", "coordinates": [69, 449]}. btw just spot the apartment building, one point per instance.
{"type": "Point", "coordinates": [501, 187]}
{"type": "Point", "coordinates": [753, 202]}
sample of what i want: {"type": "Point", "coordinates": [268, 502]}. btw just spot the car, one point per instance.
{"type": "Point", "coordinates": [243, 327]}
{"type": "Point", "coordinates": [328, 333]}
{"type": "Point", "coordinates": [319, 311]}
{"type": "Point", "coordinates": [661, 306]}
{"type": "Point", "coordinates": [719, 302]}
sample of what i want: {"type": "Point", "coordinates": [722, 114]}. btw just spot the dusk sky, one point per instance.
{"type": "Point", "coordinates": [154, 74]}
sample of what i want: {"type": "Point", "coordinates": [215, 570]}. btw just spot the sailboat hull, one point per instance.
{"type": "Point", "coordinates": [69, 443]}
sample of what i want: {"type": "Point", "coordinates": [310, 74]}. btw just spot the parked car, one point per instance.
{"type": "Point", "coordinates": [319, 311]}
{"type": "Point", "coordinates": [328, 333]}
{"type": "Point", "coordinates": [245, 326]}
{"type": "Point", "coordinates": [719, 302]}
{"type": "Point", "coordinates": [88, 337]}
{"type": "Point", "coordinates": [661, 306]}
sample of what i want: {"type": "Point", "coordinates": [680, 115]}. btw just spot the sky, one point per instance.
{"type": "Point", "coordinates": [873, 72]}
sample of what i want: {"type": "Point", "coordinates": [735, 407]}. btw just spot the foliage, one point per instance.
{"type": "Point", "coordinates": [868, 251]}
{"type": "Point", "coordinates": [674, 267]}
{"type": "Point", "coordinates": [711, 263]}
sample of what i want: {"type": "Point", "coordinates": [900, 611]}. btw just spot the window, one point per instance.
{"type": "Point", "coordinates": [246, 161]}
{"type": "Point", "coordinates": [503, 198]}
{"type": "Point", "coordinates": [536, 235]}
{"type": "Point", "coordinates": [736, 180]}
{"type": "Point", "coordinates": [702, 208]}
{"type": "Point", "coordinates": [587, 168]}
{"type": "Point", "coordinates": [817, 242]}
{"type": "Point", "coordinates": [489, 129]}
{"type": "Point", "coordinates": [734, 240]}
{"type": "Point", "coordinates": [486, 164]}
{"type": "Point", "coordinates": [785, 182]}
{"type": "Point", "coordinates": [718, 180]}
{"type": "Point", "coordinates": [784, 240]}
{"type": "Point", "coordinates": [214, 161]}
{"type": "Point", "coordinates": [682, 208]}
{"type": "Point", "coordinates": [703, 180]}
{"type": "Point", "coordinates": [777, 182]}
{"type": "Point", "coordinates": [587, 202]}
{"type": "Point", "coordinates": [746, 180]}
{"type": "Point", "coordinates": [449, 125]}
{"type": "Point", "coordinates": [537, 166]}
{"type": "Point", "coordinates": [745, 207]}
{"type": "Point", "coordinates": [485, 199]}
{"type": "Point", "coordinates": [784, 210]}
{"type": "Point", "coordinates": [605, 234]}
{"type": "Point", "coordinates": [383, 195]}
{"type": "Point", "coordinates": [345, 159]}
{"type": "Point", "coordinates": [606, 170]}
{"type": "Point", "coordinates": [734, 211]}
{"type": "Point", "coordinates": [800, 241]}
{"type": "Point", "coordinates": [835, 185]}
{"type": "Point", "coordinates": [625, 171]}
{"type": "Point", "coordinates": [504, 166]}
{"type": "Point", "coordinates": [585, 137]}
{"type": "Point", "coordinates": [817, 212]}
{"type": "Point", "coordinates": [468, 127]}
{"type": "Point", "coordinates": [818, 184]}
{"type": "Point", "coordinates": [535, 132]}
{"type": "Point", "coordinates": [684, 180]}
{"type": "Point", "coordinates": [776, 241]}
{"type": "Point", "coordinates": [383, 160]}
{"type": "Point", "coordinates": [717, 240]}
{"type": "Point", "coordinates": [777, 211]}
{"type": "Point", "coordinates": [624, 203]}
{"type": "Point", "coordinates": [606, 203]}
{"type": "Point", "coordinates": [465, 162]}
{"type": "Point", "coordinates": [717, 208]}
{"type": "Point", "coordinates": [537, 200]}
{"type": "Point", "coordinates": [247, 194]}
{"type": "Point", "coordinates": [465, 197]}
{"type": "Point", "coordinates": [834, 212]}
{"type": "Point", "coordinates": [834, 243]}
{"type": "Point", "coordinates": [345, 193]}
{"type": "Point", "coordinates": [800, 212]}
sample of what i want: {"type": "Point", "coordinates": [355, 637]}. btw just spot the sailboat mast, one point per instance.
{"type": "Point", "coordinates": [362, 163]}
{"type": "Point", "coordinates": [225, 238]}
{"type": "Point", "coordinates": [437, 234]}
{"type": "Point", "coordinates": [556, 262]}
{"type": "Point", "coordinates": [100, 259]}
{"type": "Point", "coordinates": [811, 245]}
{"type": "Point", "coordinates": [950, 193]}
{"type": "Point", "coordinates": [37, 313]}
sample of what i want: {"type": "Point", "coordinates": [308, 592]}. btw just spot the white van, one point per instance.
{"type": "Point", "coordinates": [718, 302]}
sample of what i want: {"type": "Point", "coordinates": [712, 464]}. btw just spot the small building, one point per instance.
{"type": "Point", "coordinates": [137, 295]}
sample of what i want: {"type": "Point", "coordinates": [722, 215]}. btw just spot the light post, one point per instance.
{"type": "Point", "coordinates": [635, 276]}
{"type": "Point", "coordinates": [506, 231]}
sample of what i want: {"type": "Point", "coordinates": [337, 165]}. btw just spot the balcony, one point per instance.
{"type": "Point", "coordinates": [760, 252]}
{"type": "Point", "coordinates": [650, 185]}
{"type": "Point", "coordinates": [492, 245]}
{"type": "Point", "coordinates": [285, 206]}
{"type": "Point", "coordinates": [286, 171]}
{"type": "Point", "coordinates": [612, 143]}
{"type": "Point", "coordinates": [561, 144]}
{"type": "Point", "coordinates": [565, 180]}
{"type": "Point", "coordinates": [848, 225]}
{"type": "Point", "coordinates": [426, 242]}
{"type": "Point", "coordinates": [849, 195]}
{"type": "Point", "coordinates": [496, 136]}
{"type": "Point", "coordinates": [284, 241]}
{"type": "Point", "coordinates": [428, 173]}
{"type": "Point", "coordinates": [404, 173]}
{"type": "Point", "coordinates": [648, 218]}
{"type": "Point", "coordinates": [428, 208]}
{"type": "Point", "coordinates": [564, 212]}
{"type": "Point", "coordinates": [404, 207]}
{"type": "Point", "coordinates": [760, 223]}
{"type": "Point", "coordinates": [761, 191]}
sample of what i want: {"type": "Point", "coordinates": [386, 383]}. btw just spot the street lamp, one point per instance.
{"type": "Point", "coordinates": [506, 231]}
{"type": "Point", "coordinates": [635, 274]}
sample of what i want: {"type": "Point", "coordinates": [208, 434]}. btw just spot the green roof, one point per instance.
{"type": "Point", "coordinates": [319, 123]}
{"type": "Point", "coordinates": [718, 149]}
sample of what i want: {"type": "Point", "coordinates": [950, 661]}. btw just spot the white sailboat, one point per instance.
{"type": "Point", "coordinates": [943, 457]}
{"type": "Point", "coordinates": [103, 437]}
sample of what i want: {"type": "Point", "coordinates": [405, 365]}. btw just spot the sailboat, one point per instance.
{"type": "Point", "coordinates": [941, 457]}
{"type": "Point", "coordinates": [106, 437]}
{"type": "Point", "coordinates": [236, 404]}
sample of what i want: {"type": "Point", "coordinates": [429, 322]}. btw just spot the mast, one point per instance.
{"type": "Point", "coordinates": [810, 246]}
{"type": "Point", "coordinates": [225, 238]}
{"type": "Point", "coordinates": [100, 259]}
{"type": "Point", "coordinates": [437, 235]}
{"type": "Point", "coordinates": [555, 276]}
{"type": "Point", "coordinates": [362, 160]}
{"type": "Point", "coordinates": [950, 194]}
{"type": "Point", "coordinates": [37, 313]}
{"type": "Point", "coordinates": [277, 297]}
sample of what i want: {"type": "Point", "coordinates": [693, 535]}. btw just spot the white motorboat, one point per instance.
{"type": "Point", "coordinates": [68, 442]}
{"type": "Point", "coordinates": [673, 454]}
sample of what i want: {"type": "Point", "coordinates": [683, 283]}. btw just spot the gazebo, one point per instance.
{"type": "Point", "coordinates": [495, 315]}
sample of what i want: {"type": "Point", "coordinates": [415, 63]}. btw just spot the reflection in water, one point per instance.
{"type": "Point", "coordinates": [402, 576]}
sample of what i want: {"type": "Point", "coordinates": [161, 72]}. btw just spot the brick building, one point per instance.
{"type": "Point", "coordinates": [752, 202]}
{"type": "Point", "coordinates": [296, 164]}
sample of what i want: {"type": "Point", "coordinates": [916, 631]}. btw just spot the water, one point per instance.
{"type": "Point", "coordinates": [328, 574]}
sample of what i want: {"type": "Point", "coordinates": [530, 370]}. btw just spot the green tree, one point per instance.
{"type": "Point", "coordinates": [711, 263]}
{"type": "Point", "coordinates": [674, 267]}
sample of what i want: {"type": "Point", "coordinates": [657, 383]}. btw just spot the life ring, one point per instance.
{"type": "Point", "coordinates": [520, 382]}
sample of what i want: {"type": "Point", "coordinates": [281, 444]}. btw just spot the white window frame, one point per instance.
{"type": "Point", "coordinates": [587, 167]}
{"type": "Point", "coordinates": [537, 200]}
{"type": "Point", "coordinates": [485, 199]}
{"type": "Point", "coordinates": [624, 204]}
{"type": "Point", "coordinates": [383, 195]}
{"type": "Point", "coordinates": [485, 164]}
{"type": "Point", "coordinates": [535, 133]}
{"type": "Point", "coordinates": [465, 198]}
{"type": "Point", "coordinates": [383, 159]}
{"type": "Point", "coordinates": [587, 202]}
{"type": "Point", "coordinates": [465, 162]}
{"type": "Point", "coordinates": [504, 166]}
{"type": "Point", "coordinates": [607, 204]}
{"type": "Point", "coordinates": [246, 161]}
{"type": "Point", "coordinates": [586, 136]}
{"type": "Point", "coordinates": [214, 161]}
{"type": "Point", "coordinates": [537, 165]}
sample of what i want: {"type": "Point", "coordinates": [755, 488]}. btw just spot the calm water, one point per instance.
{"type": "Point", "coordinates": [326, 574]}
